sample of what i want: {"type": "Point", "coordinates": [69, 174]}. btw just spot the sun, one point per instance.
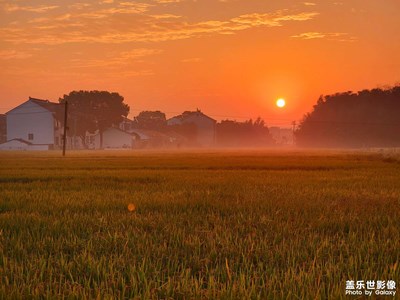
{"type": "Point", "coordinates": [280, 102]}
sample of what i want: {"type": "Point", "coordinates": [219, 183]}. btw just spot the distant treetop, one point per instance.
{"type": "Point", "coordinates": [368, 118]}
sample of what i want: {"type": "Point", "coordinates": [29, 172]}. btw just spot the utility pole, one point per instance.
{"type": "Point", "coordinates": [65, 127]}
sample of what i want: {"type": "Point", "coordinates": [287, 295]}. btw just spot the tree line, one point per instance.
{"type": "Point", "coordinates": [91, 111]}
{"type": "Point", "coordinates": [368, 118]}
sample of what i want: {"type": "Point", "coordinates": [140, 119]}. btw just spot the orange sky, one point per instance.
{"type": "Point", "coordinates": [229, 58]}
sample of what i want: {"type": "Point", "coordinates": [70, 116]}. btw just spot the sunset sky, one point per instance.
{"type": "Point", "coordinates": [229, 58]}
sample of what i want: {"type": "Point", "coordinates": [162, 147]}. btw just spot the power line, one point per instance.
{"type": "Point", "coordinates": [170, 112]}
{"type": "Point", "coordinates": [281, 121]}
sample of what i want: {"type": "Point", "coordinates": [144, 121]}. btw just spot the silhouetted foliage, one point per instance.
{"type": "Point", "coordinates": [242, 134]}
{"type": "Point", "coordinates": [154, 120]}
{"type": "Point", "coordinates": [369, 118]}
{"type": "Point", "coordinates": [94, 110]}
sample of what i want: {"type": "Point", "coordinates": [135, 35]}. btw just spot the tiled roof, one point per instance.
{"type": "Point", "coordinates": [187, 114]}
{"type": "Point", "coordinates": [56, 108]}
{"type": "Point", "coordinates": [50, 106]}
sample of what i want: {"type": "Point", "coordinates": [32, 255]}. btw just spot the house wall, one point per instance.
{"type": "Point", "coordinates": [3, 129]}
{"type": "Point", "coordinates": [18, 145]}
{"type": "Point", "coordinates": [205, 129]}
{"type": "Point", "coordinates": [14, 145]}
{"type": "Point", "coordinates": [126, 125]}
{"type": "Point", "coordinates": [92, 140]}
{"type": "Point", "coordinates": [30, 118]}
{"type": "Point", "coordinates": [114, 138]}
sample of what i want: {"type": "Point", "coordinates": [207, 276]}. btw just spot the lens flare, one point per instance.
{"type": "Point", "coordinates": [131, 207]}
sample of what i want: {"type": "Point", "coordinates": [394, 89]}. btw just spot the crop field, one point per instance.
{"type": "Point", "coordinates": [249, 224]}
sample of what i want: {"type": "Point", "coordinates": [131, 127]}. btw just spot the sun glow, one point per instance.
{"type": "Point", "coordinates": [280, 102]}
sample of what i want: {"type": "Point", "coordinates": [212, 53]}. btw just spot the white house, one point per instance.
{"type": "Point", "coordinates": [113, 138]}
{"type": "Point", "coordinates": [146, 138]}
{"type": "Point", "coordinates": [116, 138]}
{"type": "Point", "coordinates": [205, 126]}
{"type": "Point", "coordinates": [35, 124]}
{"type": "Point", "coordinates": [126, 124]}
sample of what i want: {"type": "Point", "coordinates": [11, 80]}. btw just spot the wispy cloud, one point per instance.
{"type": "Point", "coordinates": [145, 27]}
{"type": "Point", "coordinates": [13, 54]}
{"type": "Point", "coordinates": [115, 59]}
{"type": "Point", "coordinates": [122, 8]}
{"type": "Point", "coordinates": [165, 16]}
{"type": "Point", "coordinates": [37, 9]}
{"type": "Point", "coordinates": [167, 1]}
{"type": "Point", "coordinates": [310, 35]}
{"type": "Point", "coordinates": [79, 5]}
{"type": "Point", "coordinates": [336, 36]}
{"type": "Point", "coordinates": [191, 60]}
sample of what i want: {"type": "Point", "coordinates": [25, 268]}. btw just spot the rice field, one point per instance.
{"type": "Point", "coordinates": [250, 224]}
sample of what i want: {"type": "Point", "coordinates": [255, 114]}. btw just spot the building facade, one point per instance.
{"type": "Point", "coordinates": [205, 126]}
{"type": "Point", "coordinates": [3, 128]}
{"type": "Point", "coordinates": [37, 122]}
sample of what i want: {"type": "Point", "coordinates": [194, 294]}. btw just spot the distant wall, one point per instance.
{"type": "Point", "coordinates": [30, 118]}
{"type": "Point", "coordinates": [205, 129]}
{"type": "Point", "coordinates": [15, 145]}
{"type": "Point", "coordinates": [114, 138]}
{"type": "Point", "coordinates": [3, 128]}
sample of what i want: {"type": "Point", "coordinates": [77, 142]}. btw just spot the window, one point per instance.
{"type": "Point", "coordinates": [30, 136]}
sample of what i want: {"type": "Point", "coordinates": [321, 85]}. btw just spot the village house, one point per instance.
{"type": "Point", "coordinates": [3, 128]}
{"type": "Point", "coordinates": [116, 138]}
{"type": "Point", "coordinates": [126, 124]}
{"type": "Point", "coordinates": [146, 138]}
{"type": "Point", "coordinates": [37, 124]}
{"type": "Point", "coordinates": [19, 144]}
{"type": "Point", "coordinates": [113, 138]}
{"type": "Point", "coordinates": [34, 125]}
{"type": "Point", "coordinates": [205, 126]}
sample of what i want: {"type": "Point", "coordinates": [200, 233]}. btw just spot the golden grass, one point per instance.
{"type": "Point", "coordinates": [250, 224]}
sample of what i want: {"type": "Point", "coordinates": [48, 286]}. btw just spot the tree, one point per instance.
{"type": "Point", "coordinates": [369, 118]}
{"type": "Point", "coordinates": [154, 120]}
{"type": "Point", "coordinates": [94, 110]}
{"type": "Point", "coordinates": [243, 134]}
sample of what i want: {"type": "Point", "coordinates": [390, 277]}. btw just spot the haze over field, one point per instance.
{"type": "Point", "coordinates": [229, 58]}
